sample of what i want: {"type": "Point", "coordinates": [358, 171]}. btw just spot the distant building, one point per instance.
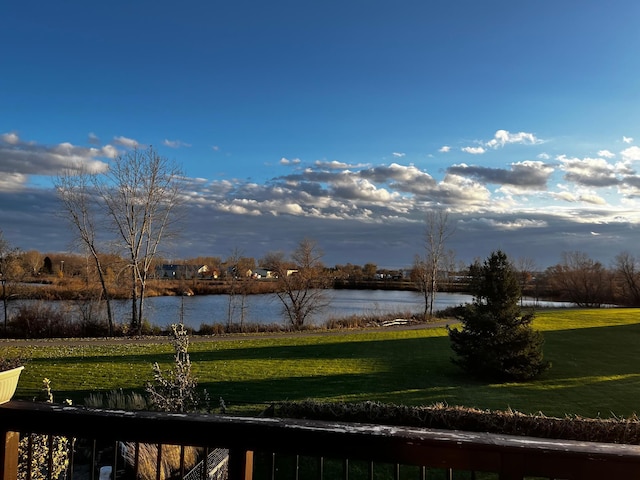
{"type": "Point", "coordinates": [184, 272]}
{"type": "Point", "coordinates": [263, 273]}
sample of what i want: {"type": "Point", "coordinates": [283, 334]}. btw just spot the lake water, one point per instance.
{"type": "Point", "coordinates": [267, 309]}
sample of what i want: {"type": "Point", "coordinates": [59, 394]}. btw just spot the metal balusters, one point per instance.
{"type": "Point", "coordinates": [159, 463]}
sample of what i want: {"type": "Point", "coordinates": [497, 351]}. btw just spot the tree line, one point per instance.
{"type": "Point", "coordinates": [577, 278]}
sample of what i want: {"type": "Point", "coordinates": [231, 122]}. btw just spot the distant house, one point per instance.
{"type": "Point", "coordinates": [263, 273]}
{"type": "Point", "coordinates": [205, 272]}
{"type": "Point", "coordinates": [389, 275]}
{"type": "Point", "coordinates": [183, 272]}
{"type": "Point", "coordinates": [235, 272]}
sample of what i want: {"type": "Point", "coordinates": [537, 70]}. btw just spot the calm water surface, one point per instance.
{"type": "Point", "coordinates": [267, 309]}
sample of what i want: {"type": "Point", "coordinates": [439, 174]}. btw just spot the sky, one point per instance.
{"type": "Point", "coordinates": [340, 121]}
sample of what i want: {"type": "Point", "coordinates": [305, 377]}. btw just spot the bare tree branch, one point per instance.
{"type": "Point", "coordinates": [141, 193]}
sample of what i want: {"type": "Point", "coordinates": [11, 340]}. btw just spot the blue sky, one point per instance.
{"type": "Point", "coordinates": [340, 121]}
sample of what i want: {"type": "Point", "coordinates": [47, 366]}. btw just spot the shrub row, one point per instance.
{"type": "Point", "coordinates": [440, 416]}
{"type": "Point", "coordinates": [44, 321]}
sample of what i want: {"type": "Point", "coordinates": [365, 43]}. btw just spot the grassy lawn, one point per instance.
{"type": "Point", "coordinates": [596, 368]}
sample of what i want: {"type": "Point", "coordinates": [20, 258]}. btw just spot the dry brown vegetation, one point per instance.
{"type": "Point", "coordinates": [441, 416]}
{"type": "Point", "coordinates": [171, 459]}
{"type": "Point", "coordinates": [75, 288]}
{"type": "Point", "coordinates": [375, 320]}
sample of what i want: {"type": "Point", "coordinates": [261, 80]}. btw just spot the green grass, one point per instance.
{"type": "Point", "coordinates": [595, 372]}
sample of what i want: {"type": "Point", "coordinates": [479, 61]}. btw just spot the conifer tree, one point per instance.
{"type": "Point", "coordinates": [496, 340]}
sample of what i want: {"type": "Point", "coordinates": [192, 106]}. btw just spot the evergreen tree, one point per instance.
{"type": "Point", "coordinates": [497, 340]}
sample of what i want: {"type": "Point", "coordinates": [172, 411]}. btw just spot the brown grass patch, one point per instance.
{"type": "Point", "coordinates": [440, 416]}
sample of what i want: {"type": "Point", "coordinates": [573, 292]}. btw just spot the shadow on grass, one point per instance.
{"type": "Point", "coordinates": [328, 350]}
{"type": "Point", "coordinates": [595, 371]}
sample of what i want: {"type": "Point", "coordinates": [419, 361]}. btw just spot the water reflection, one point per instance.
{"type": "Point", "coordinates": [267, 309]}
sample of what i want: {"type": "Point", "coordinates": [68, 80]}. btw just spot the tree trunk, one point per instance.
{"type": "Point", "coordinates": [4, 304]}
{"type": "Point", "coordinates": [143, 285]}
{"type": "Point", "coordinates": [107, 298]}
{"type": "Point", "coordinates": [134, 303]}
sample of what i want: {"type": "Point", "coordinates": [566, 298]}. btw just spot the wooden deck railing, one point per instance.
{"type": "Point", "coordinates": [509, 457]}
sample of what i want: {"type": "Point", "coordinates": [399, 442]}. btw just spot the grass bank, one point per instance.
{"type": "Point", "coordinates": [596, 368]}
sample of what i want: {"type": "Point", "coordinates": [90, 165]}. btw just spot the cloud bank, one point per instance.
{"type": "Point", "coordinates": [362, 212]}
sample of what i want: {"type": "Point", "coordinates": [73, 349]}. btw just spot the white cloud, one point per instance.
{"type": "Point", "coordinates": [389, 196]}
{"type": "Point", "coordinates": [108, 151]}
{"type": "Point", "coordinates": [93, 139]}
{"type": "Point", "coordinates": [10, 138]}
{"type": "Point", "coordinates": [630, 154]}
{"type": "Point", "coordinates": [504, 137]}
{"type": "Point", "coordinates": [286, 161]}
{"type": "Point", "coordinates": [445, 149]}
{"type": "Point", "coordinates": [521, 177]}
{"type": "Point", "coordinates": [498, 224]}
{"type": "Point", "coordinates": [398, 154]}
{"type": "Point", "coordinates": [625, 169]}
{"type": "Point", "coordinates": [581, 195]}
{"type": "Point", "coordinates": [12, 181]}
{"type": "Point", "coordinates": [520, 223]}
{"type": "Point", "coordinates": [21, 159]}
{"type": "Point", "coordinates": [215, 148]}
{"type": "Point", "coordinates": [291, 209]}
{"type": "Point", "coordinates": [543, 156]}
{"type": "Point", "coordinates": [175, 143]}
{"type": "Point", "coordinates": [627, 139]}
{"type": "Point", "coordinates": [394, 171]}
{"type": "Point", "coordinates": [591, 172]}
{"type": "Point", "coordinates": [126, 142]}
{"type": "Point", "coordinates": [462, 194]}
{"type": "Point", "coordinates": [474, 150]}
{"type": "Point", "coordinates": [593, 199]}
{"type": "Point", "coordinates": [362, 190]}
{"type": "Point", "coordinates": [238, 209]}
{"type": "Point", "coordinates": [606, 154]}
{"type": "Point", "coordinates": [565, 196]}
{"type": "Point", "coordinates": [332, 165]}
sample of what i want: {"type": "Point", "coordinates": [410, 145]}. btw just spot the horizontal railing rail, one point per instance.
{"type": "Point", "coordinates": [511, 457]}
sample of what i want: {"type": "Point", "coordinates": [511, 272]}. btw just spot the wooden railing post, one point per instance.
{"type": "Point", "coordinates": [240, 464]}
{"type": "Point", "coordinates": [9, 455]}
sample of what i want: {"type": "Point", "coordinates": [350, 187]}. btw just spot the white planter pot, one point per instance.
{"type": "Point", "coordinates": [8, 383]}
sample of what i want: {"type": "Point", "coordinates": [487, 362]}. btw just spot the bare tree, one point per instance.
{"type": "Point", "coordinates": [429, 263]}
{"type": "Point", "coordinates": [420, 276]}
{"type": "Point", "coordinates": [9, 270]}
{"type": "Point", "coordinates": [302, 281]}
{"type": "Point", "coordinates": [141, 193]}
{"type": "Point", "coordinates": [581, 280]}
{"type": "Point", "coordinates": [32, 261]}
{"type": "Point", "coordinates": [237, 268]}
{"type": "Point", "coordinates": [627, 268]}
{"type": "Point", "coordinates": [77, 194]}
{"type": "Point", "coordinates": [369, 271]}
{"type": "Point", "coordinates": [524, 267]}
